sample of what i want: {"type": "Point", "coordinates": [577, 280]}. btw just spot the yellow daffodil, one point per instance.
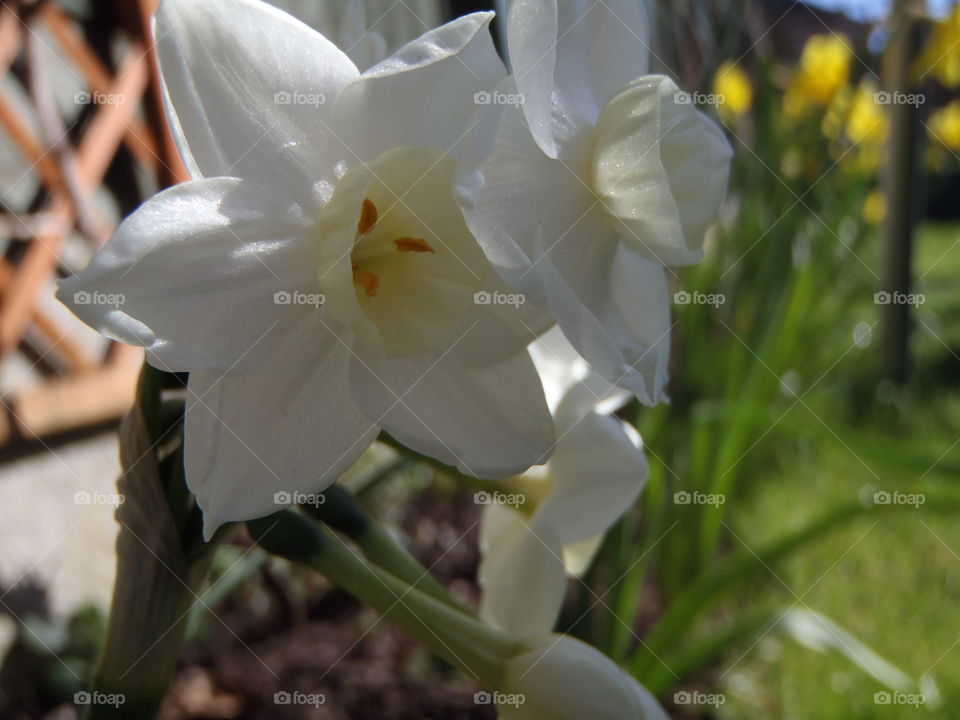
{"type": "Point", "coordinates": [823, 71]}
{"type": "Point", "coordinates": [874, 207]}
{"type": "Point", "coordinates": [733, 90]}
{"type": "Point", "coordinates": [941, 55]}
{"type": "Point", "coordinates": [944, 125]}
{"type": "Point", "coordinates": [866, 121]}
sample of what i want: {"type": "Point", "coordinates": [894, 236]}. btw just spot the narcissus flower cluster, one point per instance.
{"type": "Point", "coordinates": [469, 259]}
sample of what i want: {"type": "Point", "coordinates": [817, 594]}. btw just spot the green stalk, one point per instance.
{"type": "Point", "coordinates": [465, 642]}
{"type": "Point", "coordinates": [157, 574]}
{"type": "Point", "coordinates": [341, 511]}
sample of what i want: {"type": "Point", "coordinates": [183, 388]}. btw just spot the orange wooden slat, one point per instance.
{"type": "Point", "coordinates": [138, 139]}
{"type": "Point", "coordinates": [97, 148]}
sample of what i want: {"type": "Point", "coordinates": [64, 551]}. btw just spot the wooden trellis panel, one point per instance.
{"type": "Point", "coordinates": [69, 169]}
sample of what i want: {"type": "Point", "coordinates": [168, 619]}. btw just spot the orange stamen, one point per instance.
{"type": "Point", "coordinates": [369, 282]}
{"type": "Point", "coordinates": [412, 244]}
{"type": "Point", "coordinates": [368, 216]}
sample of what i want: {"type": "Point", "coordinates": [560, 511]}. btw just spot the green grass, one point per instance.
{"type": "Point", "coordinates": [893, 582]}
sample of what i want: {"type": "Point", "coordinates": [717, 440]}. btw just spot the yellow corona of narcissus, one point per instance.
{"type": "Point", "coordinates": [944, 125]}
{"type": "Point", "coordinates": [733, 90]}
{"type": "Point", "coordinates": [823, 70]}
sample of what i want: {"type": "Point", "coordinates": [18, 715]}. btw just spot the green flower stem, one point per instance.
{"type": "Point", "coordinates": [161, 563]}
{"type": "Point", "coordinates": [465, 642]}
{"type": "Point", "coordinates": [342, 512]}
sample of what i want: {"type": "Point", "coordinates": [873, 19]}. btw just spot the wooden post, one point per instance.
{"type": "Point", "coordinates": [900, 189]}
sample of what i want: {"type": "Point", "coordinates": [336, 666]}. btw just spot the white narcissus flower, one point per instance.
{"type": "Point", "coordinates": [599, 176]}
{"type": "Point", "coordinates": [561, 678]}
{"type": "Point", "coordinates": [595, 474]}
{"type": "Point", "coordinates": [316, 277]}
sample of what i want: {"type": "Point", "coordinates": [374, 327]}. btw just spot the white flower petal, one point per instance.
{"type": "Point", "coordinates": [578, 556]}
{"type": "Point", "coordinates": [597, 471]}
{"type": "Point", "coordinates": [251, 89]}
{"type": "Point", "coordinates": [661, 167]}
{"type": "Point", "coordinates": [488, 421]}
{"type": "Point", "coordinates": [563, 371]}
{"type": "Point", "coordinates": [570, 57]}
{"type": "Point", "coordinates": [517, 193]}
{"type": "Point", "coordinates": [521, 572]}
{"type": "Point", "coordinates": [613, 307]}
{"type": "Point", "coordinates": [532, 44]}
{"type": "Point", "coordinates": [292, 427]}
{"type": "Point", "coordinates": [562, 678]}
{"type": "Point", "coordinates": [602, 47]}
{"type": "Point", "coordinates": [194, 272]}
{"type": "Point", "coordinates": [423, 95]}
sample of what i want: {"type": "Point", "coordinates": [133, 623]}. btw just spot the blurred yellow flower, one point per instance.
{"type": "Point", "coordinates": [866, 120]}
{"type": "Point", "coordinates": [823, 71]}
{"type": "Point", "coordinates": [944, 126]}
{"type": "Point", "coordinates": [941, 55]}
{"type": "Point", "coordinates": [874, 207]}
{"type": "Point", "coordinates": [733, 90]}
